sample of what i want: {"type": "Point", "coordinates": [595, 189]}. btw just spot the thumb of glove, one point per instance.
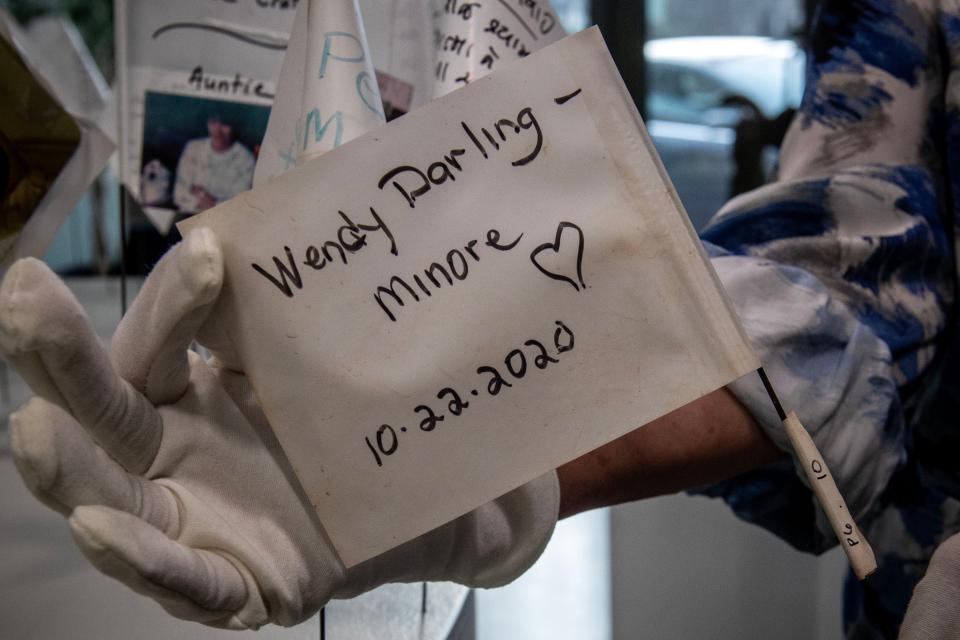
{"type": "Point", "coordinates": [934, 610]}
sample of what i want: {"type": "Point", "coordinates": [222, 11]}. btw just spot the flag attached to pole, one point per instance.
{"type": "Point", "coordinates": [327, 94]}
{"type": "Point", "coordinates": [474, 294]}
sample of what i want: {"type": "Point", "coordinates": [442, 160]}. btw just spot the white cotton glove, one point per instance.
{"type": "Point", "coordinates": [934, 611]}
{"type": "Point", "coordinates": [171, 478]}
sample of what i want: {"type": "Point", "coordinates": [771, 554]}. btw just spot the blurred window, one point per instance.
{"type": "Point", "coordinates": [681, 94]}
{"type": "Point", "coordinates": [574, 15]}
{"type": "Point", "coordinates": [711, 68]}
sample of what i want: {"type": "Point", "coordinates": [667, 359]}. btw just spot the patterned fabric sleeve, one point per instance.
{"type": "Point", "coordinates": [842, 270]}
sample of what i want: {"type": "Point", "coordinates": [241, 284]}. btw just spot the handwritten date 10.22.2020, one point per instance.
{"type": "Point", "coordinates": [533, 356]}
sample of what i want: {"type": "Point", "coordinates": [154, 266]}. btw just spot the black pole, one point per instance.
{"type": "Point", "coordinates": [123, 249]}
{"type": "Point", "coordinates": [623, 24]}
{"type": "Point", "coordinates": [773, 394]}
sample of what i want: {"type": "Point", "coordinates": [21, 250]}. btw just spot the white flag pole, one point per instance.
{"type": "Point", "coordinates": [858, 550]}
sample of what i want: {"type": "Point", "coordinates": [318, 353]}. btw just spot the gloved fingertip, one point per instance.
{"type": "Point", "coordinates": [36, 309]}
{"type": "Point", "coordinates": [33, 447]}
{"type": "Point", "coordinates": [108, 541]}
{"type": "Point", "coordinates": [193, 584]}
{"type": "Point", "coordinates": [119, 542]}
{"type": "Point", "coordinates": [946, 560]}
{"type": "Point", "coordinates": [89, 526]}
{"type": "Point", "coordinates": [11, 290]}
{"type": "Point", "coordinates": [25, 272]}
{"type": "Point", "coordinates": [201, 264]}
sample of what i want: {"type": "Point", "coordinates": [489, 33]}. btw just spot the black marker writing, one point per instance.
{"type": "Point", "coordinates": [413, 183]}
{"type": "Point", "coordinates": [473, 139]}
{"type": "Point", "coordinates": [286, 270]}
{"type": "Point", "coordinates": [545, 20]}
{"type": "Point", "coordinates": [257, 40]}
{"type": "Point", "coordinates": [494, 379]}
{"type": "Point", "coordinates": [562, 259]}
{"type": "Point", "coordinates": [453, 268]}
{"type": "Point", "coordinates": [461, 8]}
{"type": "Point", "coordinates": [503, 33]}
{"type": "Point", "coordinates": [240, 85]}
{"type": "Point", "coordinates": [562, 100]}
{"type": "Point", "coordinates": [349, 239]}
{"type": "Point", "coordinates": [277, 4]}
{"type": "Point", "coordinates": [525, 120]}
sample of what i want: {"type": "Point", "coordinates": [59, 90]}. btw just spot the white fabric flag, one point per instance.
{"type": "Point", "coordinates": [471, 295]}
{"type": "Point", "coordinates": [63, 58]}
{"type": "Point", "coordinates": [51, 145]}
{"type": "Point", "coordinates": [474, 38]}
{"type": "Point", "coordinates": [428, 48]}
{"type": "Point", "coordinates": [327, 94]}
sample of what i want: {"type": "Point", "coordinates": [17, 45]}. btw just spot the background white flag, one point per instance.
{"type": "Point", "coordinates": [327, 94]}
{"type": "Point", "coordinates": [52, 146]}
{"type": "Point", "coordinates": [473, 38]}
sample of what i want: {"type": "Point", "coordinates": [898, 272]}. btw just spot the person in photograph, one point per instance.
{"type": "Point", "coordinates": [212, 169]}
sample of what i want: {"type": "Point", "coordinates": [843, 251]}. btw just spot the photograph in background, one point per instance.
{"type": "Point", "coordinates": [197, 152]}
{"type": "Point", "coordinates": [227, 52]}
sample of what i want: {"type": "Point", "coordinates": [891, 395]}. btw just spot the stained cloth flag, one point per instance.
{"type": "Point", "coordinates": [327, 94]}
{"type": "Point", "coordinates": [423, 49]}
{"type": "Point", "coordinates": [469, 296]}
{"type": "Point", "coordinates": [471, 39]}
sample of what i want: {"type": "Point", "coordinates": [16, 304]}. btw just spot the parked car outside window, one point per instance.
{"type": "Point", "coordinates": [698, 90]}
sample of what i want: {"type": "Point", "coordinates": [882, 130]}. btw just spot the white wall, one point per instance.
{"type": "Point", "coordinates": [686, 568]}
{"type": "Point", "coordinates": [565, 595]}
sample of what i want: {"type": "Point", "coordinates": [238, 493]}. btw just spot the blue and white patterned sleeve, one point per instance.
{"type": "Point", "coordinates": [842, 270]}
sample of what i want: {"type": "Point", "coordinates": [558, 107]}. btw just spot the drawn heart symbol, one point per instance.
{"type": "Point", "coordinates": [562, 259]}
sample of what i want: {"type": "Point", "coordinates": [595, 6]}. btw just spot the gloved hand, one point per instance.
{"type": "Point", "coordinates": [934, 611]}
{"type": "Point", "coordinates": [171, 478]}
